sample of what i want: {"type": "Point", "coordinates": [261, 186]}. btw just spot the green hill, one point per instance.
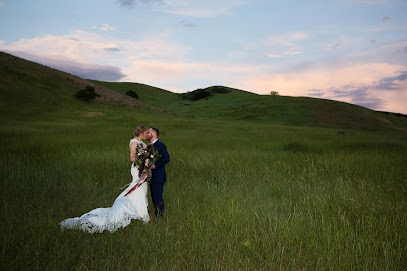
{"type": "Point", "coordinates": [30, 90]}
{"type": "Point", "coordinates": [283, 110]}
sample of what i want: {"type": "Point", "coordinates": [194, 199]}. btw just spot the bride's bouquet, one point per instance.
{"type": "Point", "coordinates": [145, 158]}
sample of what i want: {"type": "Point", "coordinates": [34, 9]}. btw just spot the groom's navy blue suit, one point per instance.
{"type": "Point", "coordinates": [158, 178]}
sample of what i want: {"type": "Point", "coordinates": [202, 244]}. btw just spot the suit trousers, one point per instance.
{"type": "Point", "coordinates": [156, 190]}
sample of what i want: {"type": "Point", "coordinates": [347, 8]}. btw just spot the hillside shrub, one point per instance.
{"type": "Point", "coordinates": [204, 93]}
{"type": "Point", "coordinates": [393, 114]}
{"type": "Point", "coordinates": [132, 94]}
{"type": "Point", "coordinates": [220, 89]}
{"type": "Point", "coordinates": [88, 94]}
{"type": "Point", "coordinates": [196, 94]}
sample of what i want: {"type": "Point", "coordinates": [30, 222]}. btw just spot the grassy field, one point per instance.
{"type": "Point", "coordinates": [274, 192]}
{"type": "Point", "coordinates": [239, 196]}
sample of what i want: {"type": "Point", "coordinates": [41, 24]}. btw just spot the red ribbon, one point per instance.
{"type": "Point", "coordinates": [140, 182]}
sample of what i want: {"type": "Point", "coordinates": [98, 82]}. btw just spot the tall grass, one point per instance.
{"type": "Point", "coordinates": [239, 196]}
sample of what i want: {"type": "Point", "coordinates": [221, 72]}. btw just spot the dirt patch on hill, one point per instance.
{"type": "Point", "coordinates": [384, 120]}
{"type": "Point", "coordinates": [108, 96]}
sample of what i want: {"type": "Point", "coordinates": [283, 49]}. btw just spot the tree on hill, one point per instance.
{"type": "Point", "coordinates": [132, 94]}
{"type": "Point", "coordinates": [219, 89]}
{"type": "Point", "coordinates": [274, 93]}
{"type": "Point", "coordinates": [86, 94]}
{"type": "Point", "coordinates": [196, 94]}
{"type": "Point", "coordinates": [204, 93]}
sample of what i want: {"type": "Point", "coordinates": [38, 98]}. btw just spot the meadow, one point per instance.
{"type": "Point", "coordinates": [240, 195]}
{"type": "Point", "coordinates": [255, 182]}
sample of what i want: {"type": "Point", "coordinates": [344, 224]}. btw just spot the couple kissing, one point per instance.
{"type": "Point", "coordinates": [148, 163]}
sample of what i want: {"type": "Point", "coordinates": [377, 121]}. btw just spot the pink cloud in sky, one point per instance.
{"type": "Point", "coordinates": [83, 45]}
{"type": "Point", "coordinates": [358, 83]}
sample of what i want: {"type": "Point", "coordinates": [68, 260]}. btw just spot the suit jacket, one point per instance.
{"type": "Point", "coordinates": [158, 174]}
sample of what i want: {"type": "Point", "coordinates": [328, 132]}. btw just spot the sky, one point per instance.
{"type": "Point", "coordinates": [347, 50]}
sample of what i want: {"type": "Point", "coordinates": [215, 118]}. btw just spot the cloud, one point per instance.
{"type": "Point", "coordinates": [91, 71]}
{"type": "Point", "coordinates": [189, 26]}
{"type": "Point", "coordinates": [92, 56]}
{"type": "Point", "coordinates": [316, 92]}
{"type": "Point", "coordinates": [156, 47]}
{"type": "Point", "coordinates": [348, 81]}
{"type": "Point", "coordinates": [392, 83]}
{"type": "Point", "coordinates": [289, 39]}
{"type": "Point", "coordinates": [275, 46]}
{"type": "Point", "coordinates": [112, 49]}
{"type": "Point", "coordinates": [344, 42]}
{"type": "Point", "coordinates": [385, 19]}
{"type": "Point", "coordinates": [203, 9]}
{"type": "Point", "coordinates": [191, 8]}
{"type": "Point", "coordinates": [273, 56]}
{"type": "Point", "coordinates": [334, 46]}
{"type": "Point", "coordinates": [105, 27]}
{"type": "Point", "coordinates": [392, 53]}
{"type": "Point", "coordinates": [86, 46]}
{"type": "Point", "coordinates": [286, 44]}
{"type": "Point", "coordinates": [368, 95]}
{"type": "Point", "coordinates": [358, 95]}
{"type": "Point", "coordinates": [292, 53]}
{"type": "Point", "coordinates": [130, 4]}
{"type": "Point", "coordinates": [363, 98]}
{"type": "Point", "coordinates": [82, 69]}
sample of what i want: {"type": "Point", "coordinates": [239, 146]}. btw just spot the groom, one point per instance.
{"type": "Point", "coordinates": [158, 177]}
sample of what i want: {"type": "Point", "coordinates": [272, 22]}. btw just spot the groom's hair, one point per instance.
{"type": "Point", "coordinates": [156, 131]}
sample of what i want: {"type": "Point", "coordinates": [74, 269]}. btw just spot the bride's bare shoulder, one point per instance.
{"type": "Point", "coordinates": [133, 143]}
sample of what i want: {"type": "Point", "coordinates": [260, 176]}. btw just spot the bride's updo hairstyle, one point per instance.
{"type": "Point", "coordinates": [139, 130]}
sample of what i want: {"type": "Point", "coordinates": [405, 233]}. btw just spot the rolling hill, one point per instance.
{"type": "Point", "coordinates": [29, 89]}
{"type": "Point", "coordinates": [282, 110]}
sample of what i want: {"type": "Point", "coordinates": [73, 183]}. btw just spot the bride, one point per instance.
{"type": "Point", "coordinates": [130, 204]}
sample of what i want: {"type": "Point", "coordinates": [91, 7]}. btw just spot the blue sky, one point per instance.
{"type": "Point", "coordinates": [348, 50]}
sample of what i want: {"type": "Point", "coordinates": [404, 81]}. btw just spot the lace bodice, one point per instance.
{"type": "Point", "coordinates": [137, 141]}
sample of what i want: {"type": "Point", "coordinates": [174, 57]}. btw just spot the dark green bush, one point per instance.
{"type": "Point", "coordinates": [132, 94]}
{"type": "Point", "coordinates": [203, 93]}
{"type": "Point", "coordinates": [86, 94]}
{"type": "Point", "coordinates": [219, 89]}
{"type": "Point", "coordinates": [196, 94]}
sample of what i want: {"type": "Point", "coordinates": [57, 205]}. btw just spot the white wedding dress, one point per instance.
{"type": "Point", "coordinates": [124, 209]}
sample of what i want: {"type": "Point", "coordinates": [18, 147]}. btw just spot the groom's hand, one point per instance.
{"type": "Point", "coordinates": [152, 166]}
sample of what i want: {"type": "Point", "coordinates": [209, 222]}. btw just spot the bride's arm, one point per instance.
{"type": "Point", "coordinates": [133, 148]}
